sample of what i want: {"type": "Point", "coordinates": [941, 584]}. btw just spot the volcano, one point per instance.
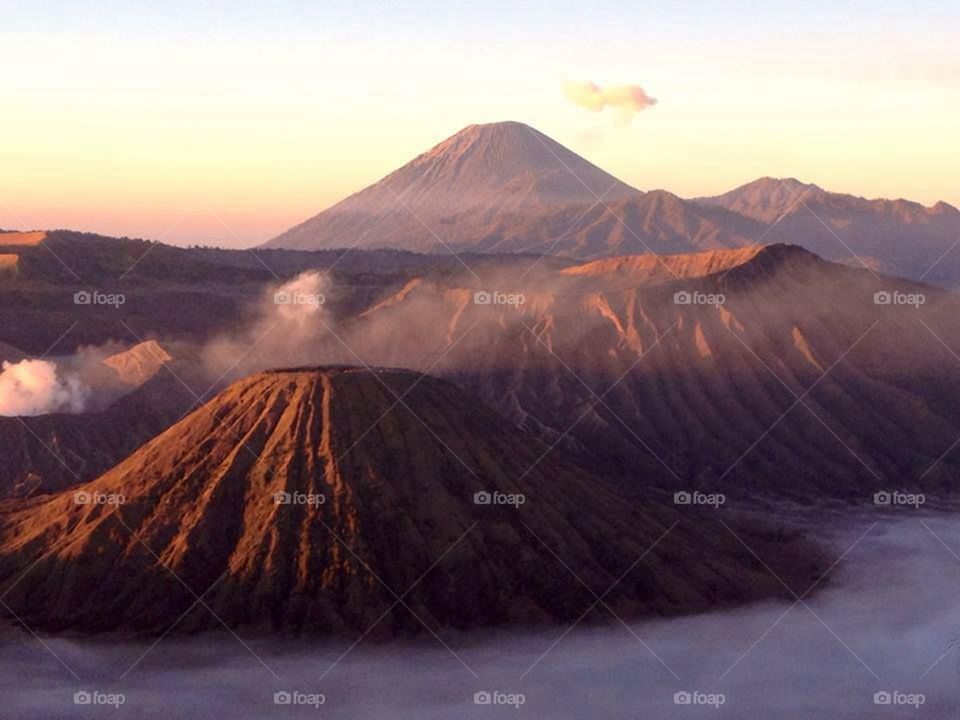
{"type": "Point", "coordinates": [460, 192]}
{"type": "Point", "coordinates": [337, 499]}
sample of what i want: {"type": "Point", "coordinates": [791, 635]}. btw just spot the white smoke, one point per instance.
{"type": "Point", "coordinates": [299, 299]}
{"type": "Point", "coordinates": [34, 387]}
{"type": "Point", "coordinates": [286, 328]}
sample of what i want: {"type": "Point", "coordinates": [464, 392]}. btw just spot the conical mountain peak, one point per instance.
{"type": "Point", "coordinates": [459, 190]}
{"type": "Point", "coordinates": [304, 499]}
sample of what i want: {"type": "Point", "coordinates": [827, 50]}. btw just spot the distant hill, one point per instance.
{"type": "Point", "coordinates": [766, 199]}
{"type": "Point", "coordinates": [506, 187]}
{"type": "Point", "coordinates": [898, 237]}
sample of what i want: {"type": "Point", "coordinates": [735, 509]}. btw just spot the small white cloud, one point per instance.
{"type": "Point", "coordinates": [626, 99]}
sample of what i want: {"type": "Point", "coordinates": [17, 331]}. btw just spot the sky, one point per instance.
{"type": "Point", "coordinates": [226, 123]}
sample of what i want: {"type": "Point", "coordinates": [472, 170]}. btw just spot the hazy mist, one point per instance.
{"type": "Point", "coordinates": [888, 610]}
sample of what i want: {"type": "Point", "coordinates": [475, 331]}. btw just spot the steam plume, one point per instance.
{"type": "Point", "coordinates": [33, 387]}
{"type": "Point", "coordinates": [299, 299]}
{"type": "Point", "coordinates": [286, 326]}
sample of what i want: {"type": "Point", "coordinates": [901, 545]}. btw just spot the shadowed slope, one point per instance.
{"type": "Point", "coordinates": [46, 453]}
{"type": "Point", "coordinates": [199, 503]}
{"type": "Point", "coordinates": [694, 393]}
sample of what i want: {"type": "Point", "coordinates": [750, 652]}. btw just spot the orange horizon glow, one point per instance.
{"type": "Point", "coordinates": [231, 138]}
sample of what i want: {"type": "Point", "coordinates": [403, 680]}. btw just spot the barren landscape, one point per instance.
{"type": "Point", "coordinates": [417, 361]}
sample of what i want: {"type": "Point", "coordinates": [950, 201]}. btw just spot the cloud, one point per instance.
{"type": "Point", "coordinates": [33, 387]}
{"type": "Point", "coordinates": [626, 99]}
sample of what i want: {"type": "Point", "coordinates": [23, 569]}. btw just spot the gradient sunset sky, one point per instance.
{"type": "Point", "coordinates": [226, 123]}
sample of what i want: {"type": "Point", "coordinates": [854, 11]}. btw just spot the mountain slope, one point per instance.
{"type": "Point", "coordinates": [8, 353]}
{"type": "Point", "coordinates": [138, 364]}
{"type": "Point", "coordinates": [398, 504]}
{"type": "Point", "coordinates": [765, 199]}
{"type": "Point", "coordinates": [702, 394]}
{"type": "Point", "coordinates": [898, 236]}
{"type": "Point", "coordinates": [655, 222]}
{"type": "Point", "coordinates": [631, 271]}
{"type": "Point", "coordinates": [457, 192]}
{"type": "Point", "coordinates": [46, 453]}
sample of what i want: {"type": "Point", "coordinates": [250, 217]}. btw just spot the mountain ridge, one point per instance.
{"type": "Point", "coordinates": [506, 187]}
{"type": "Point", "coordinates": [682, 355]}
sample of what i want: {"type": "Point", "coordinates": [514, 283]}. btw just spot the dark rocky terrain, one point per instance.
{"type": "Point", "coordinates": [194, 514]}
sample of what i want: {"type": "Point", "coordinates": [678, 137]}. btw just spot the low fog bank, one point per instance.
{"type": "Point", "coordinates": [890, 610]}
